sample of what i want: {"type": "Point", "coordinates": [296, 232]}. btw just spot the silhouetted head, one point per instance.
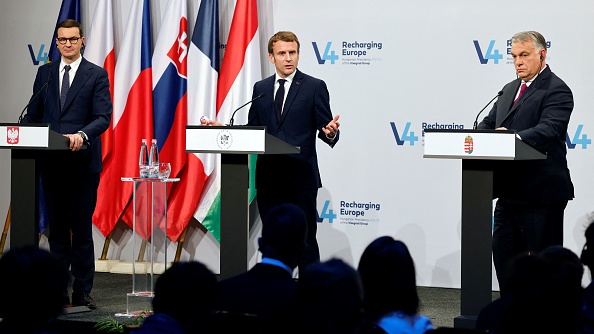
{"type": "Point", "coordinates": [284, 231]}
{"type": "Point", "coordinates": [30, 277]}
{"type": "Point", "coordinates": [187, 291]}
{"type": "Point", "coordinates": [388, 274]}
{"type": "Point", "coordinates": [330, 298]}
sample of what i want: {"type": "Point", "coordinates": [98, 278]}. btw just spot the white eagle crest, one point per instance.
{"type": "Point", "coordinates": [12, 135]}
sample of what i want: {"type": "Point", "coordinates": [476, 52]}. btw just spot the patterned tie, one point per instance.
{"type": "Point", "coordinates": [522, 89]}
{"type": "Point", "coordinates": [279, 97]}
{"type": "Point", "coordinates": [65, 86]}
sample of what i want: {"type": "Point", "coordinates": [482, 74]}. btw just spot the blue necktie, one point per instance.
{"type": "Point", "coordinates": [65, 86]}
{"type": "Point", "coordinates": [279, 97]}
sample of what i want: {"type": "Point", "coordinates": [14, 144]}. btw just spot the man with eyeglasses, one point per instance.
{"type": "Point", "coordinates": [72, 95]}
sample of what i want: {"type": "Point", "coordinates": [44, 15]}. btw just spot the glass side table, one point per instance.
{"type": "Point", "coordinates": [149, 201]}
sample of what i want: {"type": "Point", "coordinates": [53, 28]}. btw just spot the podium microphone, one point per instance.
{"type": "Point", "coordinates": [485, 107]}
{"type": "Point", "coordinates": [233, 115]}
{"type": "Point", "coordinates": [34, 97]}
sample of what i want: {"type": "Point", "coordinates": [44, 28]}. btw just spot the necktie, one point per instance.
{"type": "Point", "coordinates": [522, 89]}
{"type": "Point", "coordinates": [65, 86]}
{"type": "Point", "coordinates": [279, 97]}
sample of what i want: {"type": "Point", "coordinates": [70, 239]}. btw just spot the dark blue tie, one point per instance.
{"type": "Point", "coordinates": [65, 86]}
{"type": "Point", "coordinates": [279, 97]}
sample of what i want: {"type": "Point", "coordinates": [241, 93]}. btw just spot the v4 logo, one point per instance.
{"type": "Point", "coordinates": [326, 213]}
{"type": "Point", "coordinates": [578, 138]}
{"type": "Point", "coordinates": [41, 56]}
{"type": "Point", "coordinates": [490, 54]}
{"type": "Point", "coordinates": [407, 135]}
{"type": "Point", "coordinates": [327, 55]}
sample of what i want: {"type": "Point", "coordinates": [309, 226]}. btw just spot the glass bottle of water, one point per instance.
{"type": "Point", "coordinates": [154, 160]}
{"type": "Point", "coordinates": [143, 160]}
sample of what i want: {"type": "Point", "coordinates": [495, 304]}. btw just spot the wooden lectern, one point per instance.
{"type": "Point", "coordinates": [234, 143]}
{"type": "Point", "coordinates": [477, 149]}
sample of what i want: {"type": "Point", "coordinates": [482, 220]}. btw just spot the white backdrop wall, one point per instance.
{"type": "Point", "coordinates": [393, 68]}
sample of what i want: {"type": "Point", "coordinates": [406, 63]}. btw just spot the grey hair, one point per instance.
{"type": "Point", "coordinates": [539, 41]}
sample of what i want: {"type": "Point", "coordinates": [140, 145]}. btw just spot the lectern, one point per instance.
{"type": "Point", "coordinates": [477, 149]}
{"type": "Point", "coordinates": [26, 141]}
{"type": "Point", "coordinates": [234, 143]}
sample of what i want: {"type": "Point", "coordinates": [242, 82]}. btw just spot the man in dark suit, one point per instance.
{"type": "Point", "coordinates": [267, 293]}
{"type": "Point", "coordinates": [295, 111]}
{"type": "Point", "coordinates": [532, 195]}
{"type": "Point", "coordinates": [302, 114]}
{"type": "Point", "coordinates": [75, 100]}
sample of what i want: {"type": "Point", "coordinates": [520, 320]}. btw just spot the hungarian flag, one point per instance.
{"type": "Point", "coordinates": [132, 117]}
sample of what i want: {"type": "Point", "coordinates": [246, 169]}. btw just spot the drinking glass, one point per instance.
{"type": "Point", "coordinates": [164, 170]}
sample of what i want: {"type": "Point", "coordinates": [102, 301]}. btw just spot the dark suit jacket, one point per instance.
{"type": "Point", "coordinates": [540, 117]}
{"type": "Point", "coordinates": [265, 290]}
{"type": "Point", "coordinates": [88, 108]}
{"type": "Point", "coordinates": [306, 112]}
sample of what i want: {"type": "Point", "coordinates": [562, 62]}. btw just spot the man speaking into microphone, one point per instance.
{"type": "Point", "coordinates": [295, 108]}
{"type": "Point", "coordinates": [532, 194]}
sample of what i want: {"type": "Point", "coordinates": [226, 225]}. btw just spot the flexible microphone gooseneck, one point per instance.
{"type": "Point", "coordinates": [35, 96]}
{"type": "Point", "coordinates": [485, 107]}
{"type": "Point", "coordinates": [233, 115]}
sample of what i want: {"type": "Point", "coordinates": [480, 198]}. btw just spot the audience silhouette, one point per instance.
{"type": "Point", "coordinates": [587, 258]}
{"type": "Point", "coordinates": [31, 283]}
{"type": "Point", "coordinates": [389, 281]}
{"type": "Point", "coordinates": [545, 295]}
{"type": "Point", "coordinates": [185, 296]}
{"type": "Point", "coordinates": [265, 297]}
{"type": "Point", "coordinates": [330, 298]}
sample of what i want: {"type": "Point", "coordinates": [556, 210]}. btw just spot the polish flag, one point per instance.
{"type": "Point", "coordinates": [132, 117]}
{"type": "Point", "coordinates": [100, 51]}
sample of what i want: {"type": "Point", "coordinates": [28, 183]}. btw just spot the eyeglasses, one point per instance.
{"type": "Point", "coordinates": [73, 40]}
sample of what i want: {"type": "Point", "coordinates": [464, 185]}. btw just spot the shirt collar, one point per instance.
{"type": "Point", "coordinates": [73, 66]}
{"type": "Point", "coordinates": [275, 262]}
{"type": "Point", "coordinates": [288, 78]}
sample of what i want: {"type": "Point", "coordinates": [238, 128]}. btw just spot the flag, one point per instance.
{"type": "Point", "coordinates": [203, 66]}
{"type": "Point", "coordinates": [132, 117]}
{"type": "Point", "coordinates": [239, 71]}
{"type": "Point", "coordinates": [70, 9]}
{"type": "Point", "coordinates": [100, 51]}
{"type": "Point", "coordinates": [170, 103]}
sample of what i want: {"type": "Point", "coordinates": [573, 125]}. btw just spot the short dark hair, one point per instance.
{"type": "Point", "coordinates": [69, 23]}
{"type": "Point", "coordinates": [285, 36]}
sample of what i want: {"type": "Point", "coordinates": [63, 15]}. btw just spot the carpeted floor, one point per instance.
{"type": "Point", "coordinates": [110, 294]}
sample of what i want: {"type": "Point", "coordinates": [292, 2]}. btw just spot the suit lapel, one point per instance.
{"type": "Point", "coordinates": [81, 76]}
{"type": "Point", "coordinates": [538, 82]}
{"type": "Point", "coordinates": [295, 86]}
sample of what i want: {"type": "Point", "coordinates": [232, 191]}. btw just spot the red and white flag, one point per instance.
{"type": "Point", "coordinates": [132, 117]}
{"type": "Point", "coordinates": [100, 51]}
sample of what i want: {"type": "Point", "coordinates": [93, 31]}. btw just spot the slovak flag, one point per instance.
{"type": "Point", "coordinates": [132, 117]}
{"type": "Point", "coordinates": [170, 103]}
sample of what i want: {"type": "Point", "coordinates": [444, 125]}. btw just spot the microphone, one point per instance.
{"type": "Point", "coordinates": [34, 96]}
{"type": "Point", "coordinates": [485, 107]}
{"type": "Point", "coordinates": [233, 115]}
